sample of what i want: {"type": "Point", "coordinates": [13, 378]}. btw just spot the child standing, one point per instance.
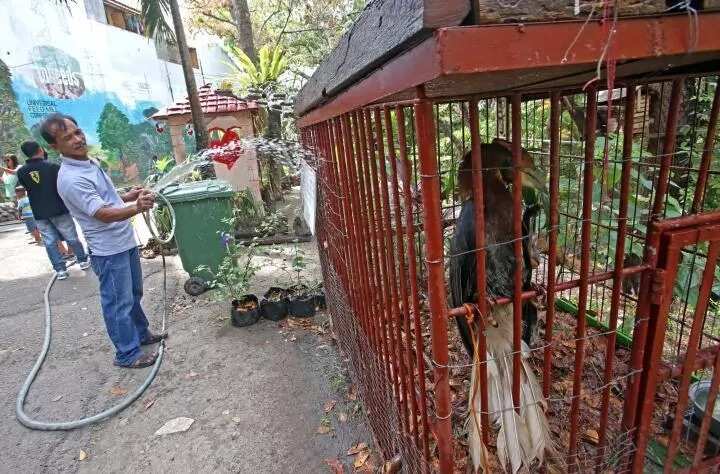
{"type": "Point", "coordinates": [25, 213]}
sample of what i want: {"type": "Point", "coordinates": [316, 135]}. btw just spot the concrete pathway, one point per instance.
{"type": "Point", "coordinates": [257, 395]}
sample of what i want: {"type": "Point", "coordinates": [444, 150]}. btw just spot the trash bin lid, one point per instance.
{"type": "Point", "coordinates": [197, 190]}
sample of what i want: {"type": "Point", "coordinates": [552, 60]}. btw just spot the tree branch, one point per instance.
{"type": "Point", "coordinates": [299, 73]}
{"type": "Point", "coordinates": [264, 23]}
{"type": "Point", "coordinates": [218, 18]}
{"type": "Point", "coordinates": [289, 32]}
{"type": "Point", "coordinates": [287, 20]}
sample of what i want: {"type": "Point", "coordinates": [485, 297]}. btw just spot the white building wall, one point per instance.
{"type": "Point", "coordinates": [64, 59]}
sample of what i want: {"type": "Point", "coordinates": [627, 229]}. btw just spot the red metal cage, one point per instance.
{"type": "Point", "coordinates": [628, 245]}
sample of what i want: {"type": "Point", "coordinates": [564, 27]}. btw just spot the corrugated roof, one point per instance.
{"type": "Point", "coordinates": [212, 101]}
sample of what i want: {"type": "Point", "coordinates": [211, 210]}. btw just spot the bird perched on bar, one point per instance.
{"type": "Point", "coordinates": [523, 437]}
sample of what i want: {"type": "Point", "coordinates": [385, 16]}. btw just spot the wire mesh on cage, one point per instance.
{"type": "Point", "coordinates": [608, 181]}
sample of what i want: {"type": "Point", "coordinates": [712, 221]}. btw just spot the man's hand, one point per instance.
{"type": "Point", "coordinates": [145, 200]}
{"type": "Point", "coordinates": [133, 194]}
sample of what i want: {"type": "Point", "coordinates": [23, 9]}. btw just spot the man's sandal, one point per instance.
{"type": "Point", "coordinates": [145, 360]}
{"type": "Point", "coordinates": [153, 338]}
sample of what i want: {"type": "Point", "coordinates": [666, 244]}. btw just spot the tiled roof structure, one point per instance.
{"type": "Point", "coordinates": [212, 102]}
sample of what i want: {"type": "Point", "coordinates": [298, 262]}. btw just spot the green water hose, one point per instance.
{"type": "Point", "coordinates": [23, 417]}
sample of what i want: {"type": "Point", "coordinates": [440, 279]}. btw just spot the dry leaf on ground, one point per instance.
{"type": "Point", "coordinates": [357, 448]}
{"type": "Point", "coordinates": [335, 465]}
{"type": "Point", "coordinates": [323, 429]}
{"type": "Point", "coordinates": [361, 458]}
{"type": "Point", "coordinates": [591, 436]}
{"type": "Point", "coordinates": [329, 405]}
{"type": "Point", "coordinates": [118, 391]}
{"type": "Point", "coordinates": [82, 456]}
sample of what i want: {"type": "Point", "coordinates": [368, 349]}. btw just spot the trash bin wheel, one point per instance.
{"type": "Point", "coordinates": [195, 286]}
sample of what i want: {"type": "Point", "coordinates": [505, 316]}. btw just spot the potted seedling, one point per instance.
{"type": "Point", "coordinates": [274, 305]}
{"type": "Point", "coordinates": [232, 280]}
{"type": "Point", "coordinates": [301, 299]}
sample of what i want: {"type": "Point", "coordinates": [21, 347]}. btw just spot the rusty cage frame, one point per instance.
{"type": "Point", "coordinates": [383, 250]}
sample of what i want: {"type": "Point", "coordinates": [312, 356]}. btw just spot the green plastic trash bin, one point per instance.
{"type": "Point", "coordinates": [200, 209]}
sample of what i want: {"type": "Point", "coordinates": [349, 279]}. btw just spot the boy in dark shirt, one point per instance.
{"type": "Point", "coordinates": [25, 213]}
{"type": "Point", "coordinates": [39, 177]}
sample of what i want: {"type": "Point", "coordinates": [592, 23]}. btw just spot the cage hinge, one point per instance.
{"type": "Point", "coordinates": [657, 291]}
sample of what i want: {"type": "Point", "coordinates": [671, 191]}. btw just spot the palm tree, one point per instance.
{"type": "Point", "coordinates": [153, 13]}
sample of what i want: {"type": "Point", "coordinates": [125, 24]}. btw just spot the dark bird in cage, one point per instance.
{"type": "Point", "coordinates": [524, 437]}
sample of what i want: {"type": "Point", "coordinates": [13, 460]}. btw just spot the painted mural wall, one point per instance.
{"type": "Point", "coordinates": [56, 59]}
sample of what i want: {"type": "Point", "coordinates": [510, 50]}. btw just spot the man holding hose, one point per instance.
{"type": "Point", "coordinates": [104, 216]}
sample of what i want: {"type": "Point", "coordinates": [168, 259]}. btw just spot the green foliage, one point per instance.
{"type": "Point", "coordinates": [273, 223]}
{"type": "Point", "coordinates": [164, 164]}
{"type": "Point", "coordinates": [233, 276]}
{"type": "Point", "coordinates": [163, 221]}
{"type": "Point", "coordinates": [271, 64]}
{"type": "Point", "coordinates": [298, 263]}
{"type": "Point", "coordinates": [306, 30]}
{"type": "Point", "coordinates": [154, 14]}
{"type": "Point", "coordinates": [453, 139]}
{"type": "Point", "coordinates": [245, 206]}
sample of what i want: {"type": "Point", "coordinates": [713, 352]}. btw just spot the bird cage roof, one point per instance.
{"type": "Point", "coordinates": [388, 53]}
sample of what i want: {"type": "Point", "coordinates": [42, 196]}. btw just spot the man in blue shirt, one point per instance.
{"type": "Point", "coordinates": [39, 177]}
{"type": "Point", "coordinates": [103, 216]}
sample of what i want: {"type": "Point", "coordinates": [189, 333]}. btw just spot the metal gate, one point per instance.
{"type": "Point", "coordinates": [690, 430]}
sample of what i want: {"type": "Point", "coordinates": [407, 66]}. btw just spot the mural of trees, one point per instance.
{"type": "Point", "coordinates": [12, 126]}
{"type": "Point", "coordinates": [127, 143]}
{"type": "Point", "coordinates": [114, 131]}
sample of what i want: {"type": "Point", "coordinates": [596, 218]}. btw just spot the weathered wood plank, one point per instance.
{"type": "Point", "coordinates": [383, 29]}
{"type": "Point", "coordinates": [493, 11]}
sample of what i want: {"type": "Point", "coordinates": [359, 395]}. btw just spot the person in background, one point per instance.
{"type": "Point", "coordinates": [9, 175]}
{"type": "Point", "coordinates": [104, 217]}
{"type": "Point", "coordinates": [25, 213]}
{"type": "Point", "coordinates": [39, 177]}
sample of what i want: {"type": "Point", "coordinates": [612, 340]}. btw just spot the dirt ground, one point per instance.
{"type": "Point", "coordinates": [258, 395]}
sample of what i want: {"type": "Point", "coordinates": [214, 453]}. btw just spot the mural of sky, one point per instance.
{"type": "Point", "coordinates": [35, 104]}
{"type": "Point", "coordinates": [105, 77]}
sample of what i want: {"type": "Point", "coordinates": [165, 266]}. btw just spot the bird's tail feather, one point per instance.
{"type": "Point", "coordinates": [523, 438]}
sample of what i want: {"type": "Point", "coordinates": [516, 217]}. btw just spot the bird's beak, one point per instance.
{"type": "Point", "coordinates": [533, 178]}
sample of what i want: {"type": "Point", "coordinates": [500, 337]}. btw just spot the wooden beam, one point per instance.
{"type": "Point", "coordinates": [455, 60]}
{"type": "Point", "coordinates": [492, 11]}
{"type": "Point", "coordinates": [385, 28]}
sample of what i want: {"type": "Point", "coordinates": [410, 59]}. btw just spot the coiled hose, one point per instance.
{"type": "Point", "coordinates": [129, 399]}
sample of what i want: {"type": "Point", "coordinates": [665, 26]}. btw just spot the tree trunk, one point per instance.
{"type": "Point", "coordinates": [241, 16]}
{"type": "Point", "coordinates": [201, 135]}
{"type": "Point", "coordinates": [273, 130]}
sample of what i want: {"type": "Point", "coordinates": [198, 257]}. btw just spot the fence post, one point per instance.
{"type": "Point", "coordinates": [425, 129]}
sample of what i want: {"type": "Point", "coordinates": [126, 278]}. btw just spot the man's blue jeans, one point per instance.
{"type": "Point", "coordinates": [55, 229]}
{"type": "Point", "coordinates": [121, 288]}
